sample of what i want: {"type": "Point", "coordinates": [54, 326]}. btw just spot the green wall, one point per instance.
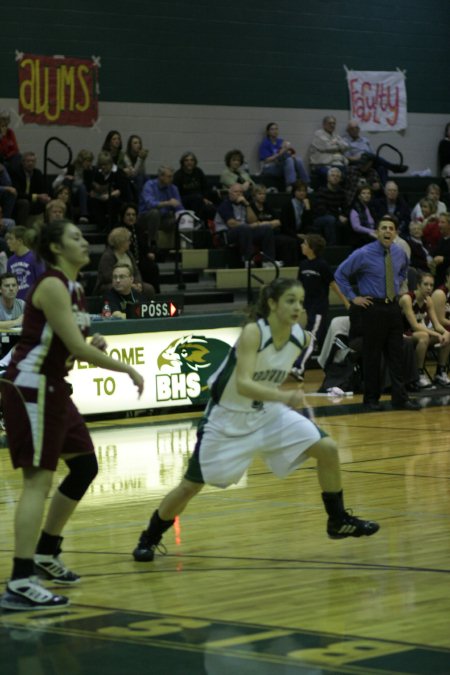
{"type": "Point", "coordinates": [288, 53]}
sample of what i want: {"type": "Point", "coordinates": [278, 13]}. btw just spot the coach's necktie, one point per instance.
{"type": "Point", "coordinates": [389, 270]}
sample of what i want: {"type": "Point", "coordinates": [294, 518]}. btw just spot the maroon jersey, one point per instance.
{"type": "Point", "coordinates": [420, 312]}
{"type": "Point", "coordinates": [39, 349]}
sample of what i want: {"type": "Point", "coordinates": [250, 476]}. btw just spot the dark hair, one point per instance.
{"type": "Point", "coordinates": [188, 153]}
{"type": "Point", "coordinates": [107, 143]}
{"type": "Point", "coordinates": [130, 140]}
{"type": "Point", "coordinates": [421, 274]}
{"type": "Point", "coordinates": [18, 231]}
{"type": "Point", "coordinates": [49, 233]}
{"type": "Point", "coordinates": [299, 185]}
{"type": "Point", "coordinates": [273, 291]}
{"type": "Point", "coordinates": [233, 153]}
{"type": "Point", "coordinates": [124, 208]}
{"type": "Point", "coordinates": [389, 219]}
{"type": "Point", "coordinates": [7, 275]}
{"type": "Point", "coordinates": [268, 127]}
{"type": "Point", "coordinates": [316, 243]}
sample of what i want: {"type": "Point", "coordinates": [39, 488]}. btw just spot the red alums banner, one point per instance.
{"type": "Point", "coordinates": [58, 90]}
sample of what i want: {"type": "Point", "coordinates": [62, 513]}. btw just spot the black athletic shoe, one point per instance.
{"type": "Point", "coordinates": [146, 548]}
{"type": "Point", "coordinates": [350, 526]}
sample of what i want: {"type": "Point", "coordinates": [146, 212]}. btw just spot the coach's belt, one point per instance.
{"type": "Point", "coordinates": [385, 301]}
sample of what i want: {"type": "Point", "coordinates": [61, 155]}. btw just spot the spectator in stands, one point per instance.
{"type": "Point", "coordinates": [362, 218]}
{"type": "Point", "coordinates": [75, 176]}
{"type": "Point", "coordinates": [297, 218]}
{"type": "Point", "coordinates": [8, 193]}
{"type": "Point", "coordinates": [11, 307]}
{"type": "Point", "coordinates": [317, 280]}
{"type": "Point", "coordinates": [123, 295]}
{"type": "Point", "coordinates": [118, 251]}
{"type": "Point", "coordinates": [425, 329]}
{"type": "Point", "coordinates": [64, 194]}
{"type": "Point", "coordinates": [55, 210]}
{"type": "Point", "coordinates": [433, 193]}
{"type": "Point", "coordinates": [9, 149]}
{"type": "Point", "coordinates": [430, 221]}
{"type": "Point", "coordinates": [444, 152]}
{"type": "Point", "coordinates": [278, 158]}
{"type": "Point", "coordinates": [421, 258]}
{"type": "Point", "coordinates": [113, 145]}
{"type": "Point", "coordinates": [330, 209]}
{"type": "Point", "coordinates": [22, 263]}
{"type": "Point", "coordinates": [327, 149]}
{"type": "Point", "coordinates": [193, 187]}
{"type": "Point", "coordinates": [235, 171]}
{"type": "Point", "coordinates": [144, 256]}
{"type": "Point", "coordinates": [359, 174]}
{"type": "Point", "coordinates": [134, 164]}
{"type": "Point", "coordinates": [107, 191]}
{"type": "Point", "coordinates": [441, 253]}
{"type": "Point", "coordinates": [259, 212]}
{"type": "Point", "coordinates": [359, 145]}
{"type": "Point", "coordinates": [32, 194]}
{"type": "Point", "coordinates": [232, 217]}
{"type": "Point", "coordinates": [441, 301]}
{"type": "Point", "coordinates": [393, 204]}
{"type": "Point", "coordinates": [159, 204]}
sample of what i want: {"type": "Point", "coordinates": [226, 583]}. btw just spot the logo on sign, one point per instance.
{"type": "Point", "coordinates": [185, 366]}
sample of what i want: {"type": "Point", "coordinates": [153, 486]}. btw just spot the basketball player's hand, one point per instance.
{"type": "Point", "coordinates": [296, 398]}
{"type": "Point", "coordinates": [444, 339]}
{"type": "Point", "coordinates": [138, 380]}
{"type": "Point", "coordinates": [99, 342]}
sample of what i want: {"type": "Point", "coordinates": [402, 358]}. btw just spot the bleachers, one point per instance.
{"type": "Point", "coordinates": [213, 275]}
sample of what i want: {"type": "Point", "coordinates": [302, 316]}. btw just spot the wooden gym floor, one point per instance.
{"type": "Point", "coordinates": [250, 582]}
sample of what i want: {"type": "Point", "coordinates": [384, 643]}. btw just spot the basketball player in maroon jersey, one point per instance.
{"type": "Point", "coordinates": [42, 422]}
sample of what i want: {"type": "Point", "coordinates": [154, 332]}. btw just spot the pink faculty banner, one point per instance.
{"type": "Point", "coordinates": [58, 90]}
{"type": "Point", "coordinates": [378, 99]}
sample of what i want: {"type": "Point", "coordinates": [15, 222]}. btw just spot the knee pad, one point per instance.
{"type": "Point", "coordinates": [82, 471]}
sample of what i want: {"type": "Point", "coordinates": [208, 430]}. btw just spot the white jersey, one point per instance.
{"type": "Point", "coordinates": [272, 368]}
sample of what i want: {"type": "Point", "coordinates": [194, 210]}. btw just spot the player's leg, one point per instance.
{"type": "Point", "coordinates": [22, 590]}
{"type": "Point", "coordinates": [340, 522]}
{"type": "Point", "coordinates": [443, 351]}
{"type": "Point", "coordinates": [163, 518]}
{"type": "Point", "coordinates": [422, 342]}
{"type": "Point", "coordinates": [78, 454]}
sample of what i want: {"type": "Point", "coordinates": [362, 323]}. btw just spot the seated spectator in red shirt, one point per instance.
{"type": "Point", "coordinates": [9, 149]}
{"type": "Point", "coordinates": [431, 233]}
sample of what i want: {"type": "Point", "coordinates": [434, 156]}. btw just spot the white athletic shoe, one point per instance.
{"type": "Point", "coordinates": [442, 379]}
{"type": "Point", "coordinates": [53, 569]}
{"type": "Point", "coordinates": [28, 594]}
{"type": "Point", "coordinates": [424, 381]}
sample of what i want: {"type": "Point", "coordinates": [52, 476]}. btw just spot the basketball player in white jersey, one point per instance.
{"type": "Point", "coordinates": [248, 415]}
